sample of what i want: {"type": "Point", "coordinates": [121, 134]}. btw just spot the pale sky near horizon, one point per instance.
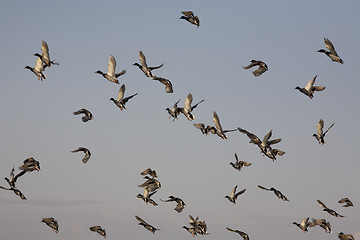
{"type": "Point", "coordinates": [37, 119]}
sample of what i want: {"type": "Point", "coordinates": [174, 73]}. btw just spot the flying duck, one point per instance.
{"type": "Point", "coordinates": [205, 130]}
{"type": "Point", "coordinates": [180, 203]}
{"type": "Point", "coordinates": [38, 69]}
{"type": "Point", "coordinates": [265, 144]}
{"type": "Point", "coordinates": [88, 115]}
{"type": "Point", "coordinates": [320, 134]}
{"type": "Point", "coordinates": [187, 109]}
{"type": "Point", "coordinates": [261, 69]}
{"type": "Point", "coordinates": [330, 211]}
{"type": "Point", "coordinates": [51, 222]}
{"type": "Point", "coordinates": [99, 230]}
{"type": "Point", "coordinates": [190, 17]}
{"type": "Point", "coordinates": [309, 89]}
{"type": "Point", "coordinates": [166, 82]}
{"type": "Point", "coordinates": [242, 234]}
{"type": "Point", "coordinates": [146, 197]}
{"type": "Point", "coordinates": [45, 56]}
{"type": "Point", "coordinates": [347, 202]}
{"type": "Point", "coordinates": [343, 236]}
{"type": "Point", "coordinates": [121, 101]}
{"type": "Point", "coordinates": [276, 192]}
{"type": "Point", "coordinates": [331, 53]}
{"type": "Point", "coordinates": [111, 75]}
{"type": "Point", "coordinates": [144, 67]}
{"type": "Point", "coordinates": [146, 225]}
{"type": "Point", "coordinates": [219, 131]}
{"type": "Point", "coordinates": [233, 195]}
{"type": "Point", "coordinates": [30, 164]}
{"type": "Point", "coordinates": [16, 191]}
{"type": "Point", "coordinates": [239, 164]}
{"type": "Point", "coordinates": [174, 111]}
{"type": "Point", "coordinates": [86, 151]}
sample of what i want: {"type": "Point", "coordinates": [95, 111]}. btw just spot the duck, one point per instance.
{"type": "Point", "coordinates": [111, 75]}
{"type": "Point", "coordinates": [174, 111]}
{"type": "Point", "coordinates": [219, 131]}
{"type": "Point", "coordinates": [150, 172]}
{"type": "Point", "coordinates": [88, 115]}
{"type": "Point", "coordinates": [120, 100]}
{"type": "Point", "coordinates": [144, 67]}
{"type": "Point", "coordinates": [146, 197]}
{"type": "Point", "coordinates": [180, 203]}
{"type": "Point", "coordinates": [323, 224]}
{"type": "Point", "coordinates": [205, 129]}
{"type": "Point", "coordinates": [52, 223]}
{"type": "Point", "coordinates": [239, 164]}
{"type": "Point", "coordinates": [242, 234]}
{"type": "Point", "coordinates": [191, 18]}
{"type": "Point", "coordinates": [303, 225]}
{"type": "Point", "coordinates": [86, 151]}
{"type": "Point", "coordinates": [330, 211]}
{"type": "Point", "coordinates": [99, 230]}
{"type": "Point", "coordinates": [45, 56]}
{"type": "Point", "coordinates": [38, 69]}
{"type": "Point", "coordinates": [30, 164]}
{"type": "Point", "coordinates": [166, 82]}
{"type": "Point", "coordinates": [151, 184]}
{"type": "Point", "coordinates": [261, 69]}
{"type": "Point", "coordinates": [12, 178]}
{"type": "Point", "coordinates": [320, 134]}
{"type": "Point", "coordinates": [146, 225]}
{"type": "Point", "coordinates": [309, 89]}
{"type": "Point", "coordinates": [276, 192]}
{"type": "Point", "coordinates": [347, 202]}
{"type": "Point", "coordinates": [331, 53]}
{"type": "Point", "coordinates": [187, 109]}
{"type": "Point", "coordinates": [16, 191]}
{"type": "Point", "coordinates": [233, 195]}
{"type": "Point", "coordinates": [265, 144]}
{"type": "Point", "coordinates": [343, 236]}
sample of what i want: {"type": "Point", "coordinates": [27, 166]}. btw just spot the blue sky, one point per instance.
{"type": "Point", "coordinates": [37, 117]}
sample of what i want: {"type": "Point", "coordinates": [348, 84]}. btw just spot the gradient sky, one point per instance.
{"type": "Point", "coordinates": [37, 119]}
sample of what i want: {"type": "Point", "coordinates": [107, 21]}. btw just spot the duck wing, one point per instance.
{"type": "Point", "coordinates": [189, 14]}
{"type": "Point", "coordinates": [192, 108]}
{"type": "Point", "coordinates": [321, 203]}
{"type": "Point", "coordinates": [45, 53]}
{"type": "Point", "coordinates": [166, 82]}
{"type": "Point", "coordinates": [121, 93]}
{"type": "Point", "coordinates": [143, 59]}
{"type": "Point", "coordinates": [259, 71]}
{"type": "Point", "coordinates": [310, 83]}
{"type": "Point", "coordinates": [217, 122]}
{"type": "Point", "coordinates": [111, 66]}
{"type": "Point", "coordinates": [330, 46]}
{"type": "Point", "coordinates": [329, 128]}
{"type": "Point", "coordinates": [252, 64]}
{"type": "Point", "coordinates": [264, 188]}
{"type": "Point", "coordinates": [320, 127]}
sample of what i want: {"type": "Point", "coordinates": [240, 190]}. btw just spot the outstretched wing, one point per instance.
{"type": "Point", "coordinates": [330, 46]}
{"type": "Point", "coordinates": [121, 92]}
{"type": "Point", "coordinates": [264, 188]}
{"type": "Point", "coordinates": [111, 66]}
{"type": "Point", "coordinates": [310, 83]}
{"type": "Point", "coordinates": [328, 128]}
{"type": "Point", "coordinates": [217, 122]}
{"type": "Point", "coordinates": [321, 203]}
